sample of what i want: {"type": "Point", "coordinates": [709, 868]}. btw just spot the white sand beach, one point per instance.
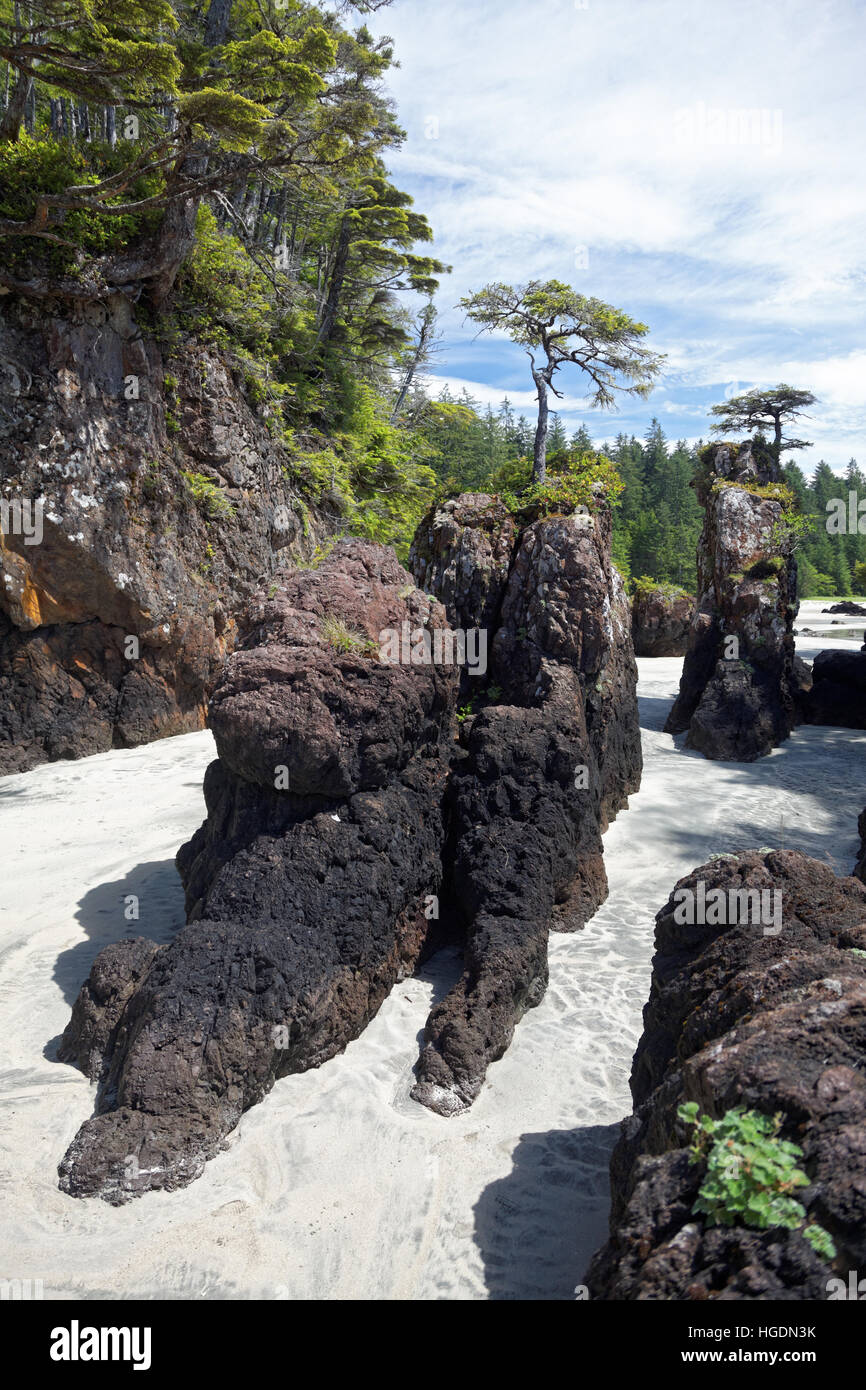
{"type": "Point", "coordinates": [338, 1185]}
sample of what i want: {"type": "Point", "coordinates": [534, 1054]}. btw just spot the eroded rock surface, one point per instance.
{"type": "Point", "coordinates": [739, 690]}
{"type": "Point", "coordinates": [660, 620]}
{"type": "Point", "coordinates": [773, 1022]}
{"type": "Point", "coordinates": [548, 760]}
{"type": "Point", "coordinates": [349, 829]}
{"type": "Point", "coordinates": [114, 625]}
{"type": "Point", "coordinates": [307, 901]}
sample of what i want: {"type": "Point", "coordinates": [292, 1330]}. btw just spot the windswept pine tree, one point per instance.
{"type": "Point", "coordinates": [558, 327]}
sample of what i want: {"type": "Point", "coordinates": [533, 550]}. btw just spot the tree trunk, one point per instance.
{"type": "Point", "coordinates": [418, 356]}
{"type": "Point", "coordinates": [10, 126]}
{"type": "Point", "coordinates": [539, 457]}
{"type": "Point", "coordinates": [281, 215]}
{"type": "Point", "coordinates": [338, 275]}
{"type": "Point", "coordinates": [216, 26]}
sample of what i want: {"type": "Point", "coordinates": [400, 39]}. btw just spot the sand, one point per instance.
{"type": "Point", "coordinates": [338, 1185]}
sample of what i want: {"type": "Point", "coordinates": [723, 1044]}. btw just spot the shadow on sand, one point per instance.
{"type": "Point", "coordinates": [102, 913]}
{"type": "Point", "coordinates": [538, 1228]}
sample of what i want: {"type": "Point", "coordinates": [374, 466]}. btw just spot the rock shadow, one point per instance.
{"type": "Point", "coordinates": [102, 912]}
{"type": "Point", "coordinates": [538, 1228]}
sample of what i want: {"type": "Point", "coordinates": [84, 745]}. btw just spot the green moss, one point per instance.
{"type": "Point", "coordinates": [768, 567]}
{"type": "Point", "coordinates": [773, 492]}
{"type": "Point", "coordinates": [643, 586]}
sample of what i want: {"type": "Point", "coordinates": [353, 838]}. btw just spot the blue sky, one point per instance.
{"type": "Point", "coordinates": [698, 163]}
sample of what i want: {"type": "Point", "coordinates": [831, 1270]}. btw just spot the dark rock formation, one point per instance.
{"type": "Point", "coordinates": [307, 902]}
{"type": "Point", "coordinates": [847, 606]}
{"type": "Point", "coordinates": [738, 692]}
{"type": "Point", "coordinates": [660, 620]}
{"type": "Point", "coordinates": [545, 767]}
{"type": "Point", "coordinates": [838, 693]}
{"type": "Point", "coordinates": [771, 1022]}
{"type": "Point", "coordinates": [462, 553]}
{"type": "Point", "coordinates": [114, 625]}
{"type": "Point", "coordinates": [859, 870]}
{"type": "Point", "coordinates": [342, 812]}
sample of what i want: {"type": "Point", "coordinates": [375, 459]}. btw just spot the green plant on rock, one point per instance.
{"type": "Point", "coordinates": [768, 567]}
{"type": "Point", "coordinates": [644, 585]}
{"type": "Point", "coordinates": [789, 533]}
{"type": "Point", "coordinates": [465, 712]}
{"type": "Point", "coordinates": [150, 478]}
{"type": "Point", "coordinates": [343, 638]}
{"type": "Point", "coordinates": [208, 497]}
{"type": "Point", "coordinates": [578, 480]}
{"type": "Point", "coordinates": [750, 1174]}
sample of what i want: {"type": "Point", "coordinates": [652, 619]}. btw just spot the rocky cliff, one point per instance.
{"type": "Point", "coordinates": [741, 681]}
{"type": "Point", "coordinates": [144, 501]}
{"type": "Point", "coordinates": [768, 1014]}
{"type": "Point", "coordinates": [349, 830]}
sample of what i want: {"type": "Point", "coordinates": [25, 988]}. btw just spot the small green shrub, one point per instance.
{"type": "Point", "coordinates": [750, 1174]}
{"type": "Point", "coordinates": [221, 295]}
{"type": "Point", "coordinates": [575, 480]}
{"type": "Point", "coordinates": [644, 585]}
{"type": "Point", "coordinates": [208, 497]}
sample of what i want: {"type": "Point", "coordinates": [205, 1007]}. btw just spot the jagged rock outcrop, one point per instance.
{"type": "Point", "coordinates": [309, 886]}
{"type": "Point", "coordinates": [348, 829]}
{"type": "Point", "coordinates": [462, 553]}
{"type": "Point", "coordinates": [848, 607]}
{"type": "Point", "coordinates": [551, 757]}
{"type": "Point", "coordinates": [771, 1018]}
{"type": "Point", "coordinates": [740, 686]}
{"type": "Point", "coordinates": [158, 517]}
{"type": "Point", "coordinates": [838, 691]}
{"type": "Point", "coordinates": [660, 620]}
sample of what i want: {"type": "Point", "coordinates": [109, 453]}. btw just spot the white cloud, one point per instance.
{"type": "Point", "coordinates": [561, 128]}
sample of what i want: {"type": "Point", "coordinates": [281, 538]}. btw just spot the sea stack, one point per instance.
{"type": "Point", "coordinates": [741, 681]}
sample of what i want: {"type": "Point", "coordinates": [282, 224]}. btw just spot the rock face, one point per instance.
{"type": "Point", "coordinates": [772, 1022]}
{"type": "Point", "coordinates": [739, 690]}
{"type": "Point", "coordinates": [309, 885]}
{"type": "Point", "coordinates": [462, 553]}
{"type": "Point", "coordinates": [660, 620]}
{"type": "Point", "coordinates": [158, 516]}
{"type": "Point", "coordinates": [838, 693]}
{"type": "Point", "coordinates": [349, 830]}
{"type": "Point", "coordinates": [551, 757]}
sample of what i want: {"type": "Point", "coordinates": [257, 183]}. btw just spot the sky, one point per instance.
{"type": "Point", "coordinates": [697, 163]}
